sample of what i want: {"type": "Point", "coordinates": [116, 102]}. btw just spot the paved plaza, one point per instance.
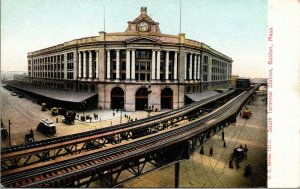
{"type": "Point", "coordinates": [25, 115]}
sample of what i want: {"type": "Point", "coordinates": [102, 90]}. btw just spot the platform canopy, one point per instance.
{"type": "Point", "coordinates": [61, 95]}
{"type": "Point", "coordinates": [201, 96]}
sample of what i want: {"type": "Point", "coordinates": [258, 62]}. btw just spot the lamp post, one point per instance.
{"type": "Point", "coordinates": [121, 108]}
{"type": "Point", "coordinates": [9, 134]}
{"type": "Point", "coordinates": [83, 106]}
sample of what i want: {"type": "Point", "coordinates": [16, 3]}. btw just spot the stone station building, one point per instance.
{"type": "Point", "coordinates": [135, 69]}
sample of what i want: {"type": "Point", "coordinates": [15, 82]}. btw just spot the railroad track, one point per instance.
{"type": "Point", "coordinates": [85, 164]}
{"type": "Point", "coordinates": [15, 153]}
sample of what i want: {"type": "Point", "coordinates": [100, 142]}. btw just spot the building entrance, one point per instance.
{"type": "Point", "coordinates": [117, 98]}
{"type": "Point", "coordinates": [141, 99]}
{"type": "Point", "coordinates": [166, 99]}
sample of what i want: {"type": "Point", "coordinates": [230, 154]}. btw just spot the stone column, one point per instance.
{"type": "Point", "coordinates": [90, 64]}
{"type": "Point", "coordinates": [79, 65]}
{"type": "Point", "coordinates": [128, 64]}
{"type": "Point", "coordinates": [108, 65]}
{"type": "Point", "coordinates": [158, 66]}
{"type": "Point", "coordinates": [75, 65]}
{"type": "Point", "coordinates": [167, 66]}
{"type": "Point", "coordinates": [185, 66]}
{"type": "Point", "coordinates": [84, 65]}
{"type": "Point", "coordinates": [118, 65]}
{"type": "Point", "coordinates": [65, 65]}
{"type": "Point", "coordinates": [133, 64]}
{"type": "Point", "coordinates": [175, 65]}
{"type": "Point", "coordinates": [191, 67]}
{"type": "Point", "coordinates": [153, 65]}
{"type": "Point", "coordinates": [56, 66]}
{"type": "Point", "coordinates": [209, 69]}
{"type": "Point", "coordinates": [97, 64]}
{"type": "Point", "coordinates": [199, 67]}
{"type": "Point", "coordinates": [195, 67]}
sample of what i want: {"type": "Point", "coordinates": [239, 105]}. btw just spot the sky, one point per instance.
{"type": "Point", "coordinates": [236, 28]}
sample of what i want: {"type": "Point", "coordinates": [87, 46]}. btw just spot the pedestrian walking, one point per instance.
{"type": "Point", "coordinates": [90, 119]}
{"type": "Point", "coordinates": [211, 151]}
{"type": "Point", "coordinates": [113, 114]}
{"type": "Point", "coordinates": [237, 164]}
{"type": "Point", "coordinates": [245, 150]}
{"type": "Point", "coordinates": [202, 150]}
{"type": "Point", "coordinates": [223, 134]}
{"type": "Point", "coordinates": [224, 144]}
{"type": "Point", "coordinates": [230, 164]}
{"type": "Point", "coordinates": [248, 171]}
{"type": "Point", "coordinates": [57, 120]}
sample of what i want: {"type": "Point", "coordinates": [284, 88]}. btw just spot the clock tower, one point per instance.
{"type": "Point", "coordinates": [143, 24]}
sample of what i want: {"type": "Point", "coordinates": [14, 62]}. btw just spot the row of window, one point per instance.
{"type": "Point", "coordinates": [59, 85]}
{"type": "Point", "coordinates": [142, 54]}
{"type": "Point", "coordinates": [48, 67]}
{"type": "Point", "coordinates": [55, 75]}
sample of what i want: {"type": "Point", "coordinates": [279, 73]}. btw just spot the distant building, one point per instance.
{"type": "Point", "coordinates": [135, 69]}
{"type": "Point", "coordinates": [233, 80]}
{"type": "Point", "coordinates": [242, 83]}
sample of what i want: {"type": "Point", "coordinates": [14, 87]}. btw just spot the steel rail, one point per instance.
{"type": "Point", "coordinates": [123, 149]}
{"type": "Point", "coordinates": [157, 118]}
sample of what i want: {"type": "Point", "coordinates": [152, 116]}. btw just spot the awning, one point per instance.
{"type": "Point", "coordinates": [201, 96]}
{"type": "Point", "coordinates": [62, 95]}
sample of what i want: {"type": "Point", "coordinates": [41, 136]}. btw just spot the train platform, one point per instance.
{"type": "Point", "coordinates": [205, 171]}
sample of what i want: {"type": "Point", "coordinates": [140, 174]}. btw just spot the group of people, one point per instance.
{"type": "Point", "coordinates": [129, 119]}
{"type": "Point", "coordinates": [248, 169]}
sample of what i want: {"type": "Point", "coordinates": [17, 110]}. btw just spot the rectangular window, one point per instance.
{"type": "Point", "coordinates": [143, 66]}
{"type": "Point", "coordinates": [123, 54]}
{"type": "Point", "coordinates": [123, 65]}
{"type": "Point", "coordinates": [205, 59]}
{"type": "Point", "coordinates": [142, 77]}
{"type": "Point", "coordinates": [148, 66]}
{"type": "Point", "coordinates": [148, 77]}
{"type": "Point", "coordinates": [114, 65]}
{"type": "Point", "coordinates": [123, 76]}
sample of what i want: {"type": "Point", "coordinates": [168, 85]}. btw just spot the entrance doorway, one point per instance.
{"type": "Point", "coordinates": [141, 99]}
{"type": "Point", "coordinates": [117, 98]}
{"type": "Point", "coordinates": [166, 98]}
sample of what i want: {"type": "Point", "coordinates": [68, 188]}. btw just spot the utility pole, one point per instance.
{"type": "Point", "coordinates": [9, 137]}
{"type": "Point", "coordinates": [177, 166]}
{"type": "Point", "coordinates": [121, 108]}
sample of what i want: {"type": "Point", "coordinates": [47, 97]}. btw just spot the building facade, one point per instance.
{"type": "Point", "coordinates": [135, 69]}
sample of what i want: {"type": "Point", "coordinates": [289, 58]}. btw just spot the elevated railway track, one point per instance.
{"type": "Point", "coordinates": [107, 164]}
{"type": "Point", "coordinates": [50, 149]}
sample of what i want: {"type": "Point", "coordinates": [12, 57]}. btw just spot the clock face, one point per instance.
{"type": "Point", "coordinates": [143, 26]}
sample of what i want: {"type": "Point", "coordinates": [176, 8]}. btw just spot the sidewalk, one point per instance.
{"type": "Point", "coordinates": [214, 172]}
